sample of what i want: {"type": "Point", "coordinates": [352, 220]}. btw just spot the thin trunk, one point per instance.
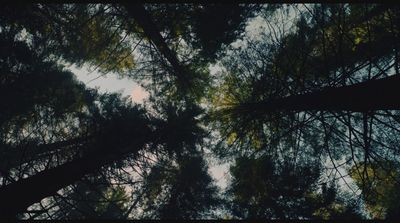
{"type": "Point", "coordinates": [381, 94]}
{"type": "Point", "coordinates": [143, 18]}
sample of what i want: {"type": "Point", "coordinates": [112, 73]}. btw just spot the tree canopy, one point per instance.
{"type": "Point", "coordinates": [299, 100]}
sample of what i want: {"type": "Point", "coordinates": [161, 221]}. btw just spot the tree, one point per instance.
{"type": "Point", "coordinates": [82, 152]}
{"type": "Point", "coordinates": [370, 95]}
{"type": "Point", "coordinates": [379, 182]}
{"type": "Point", "coordinates": [189, 80]}
{"type": "Point", "coordinates": [180, 191]}
{"type": "Point", "coordinates": [208, 27]}
{"type": "Point", "coordinates": [178, 185]}
{"type": "Point", "coordinates": [95, 39]}
{"type": "Point", "coordinates": [262, 188]}
{"type": "Point", "coordinates": [307, 91]}
{"type": "Point", "coordinates": [41, 101]}
{"type": "Point", "coordinates": [94, 154]}
{"type": "Point", "coordinates": [268, 97]}
{"type": "Point", "coordinates": [93, 198]}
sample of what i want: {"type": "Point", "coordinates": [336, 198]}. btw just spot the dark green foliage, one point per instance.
{"type": "Point", "coordinates": [379, 182]}
{"type": "Point", "coordinates": [183, 190]}
{"type": "Point", "coordinates": [92, 198]}
{"type": "Point", "coordinates": [28, 79]}
{"type": "Point", "coordinates": [182, 124]}
{"type": "Point", "coordinates": [207, 27]}
{"type": "Point", "coordinates": [262, 188]}
{"type": "Point", "coordinates": [94, 38]}
{"type": "Point", "coordinates": [330, 46]}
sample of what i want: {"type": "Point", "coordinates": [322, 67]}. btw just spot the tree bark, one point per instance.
{"type": "Point", "coordinates": [381, 94]}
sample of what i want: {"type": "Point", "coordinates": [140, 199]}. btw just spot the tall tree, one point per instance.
{"type": "Point", "coordinates": [116, 135]}
{"type": "Point", "coordinates": [269, 93]}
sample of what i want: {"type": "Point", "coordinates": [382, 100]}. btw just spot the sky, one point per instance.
{"type": "Point", "coordinates": [110, 83]}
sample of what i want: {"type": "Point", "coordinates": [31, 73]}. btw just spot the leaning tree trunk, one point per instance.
{"type": "Point", "coordinates": [381, 94]}
{"type": "Point", "coordinates": [16, 197]}
{"type": "Point", "coordinates": [13, 157]}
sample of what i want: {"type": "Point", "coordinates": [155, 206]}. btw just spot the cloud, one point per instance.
{"type": "Point", "coordinates": [139, 94]}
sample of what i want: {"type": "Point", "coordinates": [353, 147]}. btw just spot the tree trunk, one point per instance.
{"type": "Point", "coordinates": [16, 197]}
{"type": "Point", "coordinates": [142, 17]}
{"type": "Point", "coordinates": [381, 94]}
{"type": "Point", "coordinates": [15, 156]}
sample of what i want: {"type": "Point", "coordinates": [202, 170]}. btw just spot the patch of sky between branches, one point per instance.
{"type": "Point", "coordinates": [110, 83]}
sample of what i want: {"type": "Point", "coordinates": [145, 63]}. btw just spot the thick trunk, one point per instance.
{"type": "Point", "coordinates": [381, 94]}
{"type": "Point", "coordinates": [16, 197]}
{"type": "Point", "coordinates": [15, 156]}
{"type": "Point", "coordinates": [142, 17]}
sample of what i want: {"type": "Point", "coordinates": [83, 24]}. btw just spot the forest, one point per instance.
{"type": "Point", "coordinates": [301, 102]}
